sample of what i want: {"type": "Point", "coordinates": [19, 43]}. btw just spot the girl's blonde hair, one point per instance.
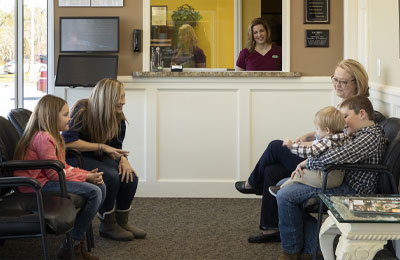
{"type": "Point", "coordinates": [359, 74]}
{"type": "Point", "coordinates": [43, 118]}
{"type": "Point", "coordinates": [330, 117]}
{"type": "Point", "coordinates": [98, 115]}
{"type": "Point", "coordinates": [251, 43]}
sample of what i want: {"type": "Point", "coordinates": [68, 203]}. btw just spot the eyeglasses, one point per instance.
{"type": "Point", "coordinates": [343, 83]}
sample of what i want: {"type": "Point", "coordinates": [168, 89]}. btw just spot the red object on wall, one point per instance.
{"type": "Point", "coordinates": [42, 81]}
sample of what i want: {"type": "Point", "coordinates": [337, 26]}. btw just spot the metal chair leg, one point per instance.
{"type": "Point", "coordinates": [70, 245]}
{"type": "Point", "coordinates": [319, 222]}
{"type": "Point", "coordinates": [89, 238]}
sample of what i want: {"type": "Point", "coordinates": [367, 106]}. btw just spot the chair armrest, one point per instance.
{"type": "Point", "coordinates": [19, 181]}
{"type": "Point", "coordinates": [77, 154]}
{"type": "Point", "coordinates": [378, 168]}
{"type": "Point", "coordinates": [58, 166]}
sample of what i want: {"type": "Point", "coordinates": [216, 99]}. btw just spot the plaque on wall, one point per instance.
{"type": "Point", "coordinates": [316, 11]}
{"type": "Point", "coordinates": [317, 38]}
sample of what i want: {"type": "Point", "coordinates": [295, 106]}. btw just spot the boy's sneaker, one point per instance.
{"type": "Point", "coordinates": [274, 189]}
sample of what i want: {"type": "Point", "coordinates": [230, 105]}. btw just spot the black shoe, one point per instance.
{"type": "Point", "coordinates": [265, 238]}
{"type": "Point", "coordinates": [274, 190]}
{"type": "Point", "coordinates": [240, 186]}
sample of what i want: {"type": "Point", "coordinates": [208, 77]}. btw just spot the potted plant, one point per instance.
{"type": "Point", "coordinates": [185, 15]}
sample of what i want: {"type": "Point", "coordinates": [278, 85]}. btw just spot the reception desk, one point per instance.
{"type": "Point", "coordinates": [195, 134]}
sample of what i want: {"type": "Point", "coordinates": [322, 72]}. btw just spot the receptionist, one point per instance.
{"type": "Point", "coordinates": [260, 53]}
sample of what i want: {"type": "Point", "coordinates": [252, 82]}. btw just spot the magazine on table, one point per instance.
{"type": "Point", "coordinates": [381, 206]}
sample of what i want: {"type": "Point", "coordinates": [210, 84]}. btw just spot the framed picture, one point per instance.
{"type": "Point", "coordinates": [107, 3]}
{"type": "Point", "coordinates": [78, 3]}
{"type": "Point", "coordinates": [316, 11]}
{"type": "Point", "coordinates": [159, 15]}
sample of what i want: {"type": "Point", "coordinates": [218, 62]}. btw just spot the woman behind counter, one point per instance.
{"type": "Point", "coordinates": [188, 54]}
{"type": "Point", "coordinates": [260, 53]}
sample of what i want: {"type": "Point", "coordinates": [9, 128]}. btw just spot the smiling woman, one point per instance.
{"type": "Point", "coordinates": [260, 53]}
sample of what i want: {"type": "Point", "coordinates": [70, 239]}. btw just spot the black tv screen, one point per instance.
{"type": "Point", "coordinates": [85, 70]}
{"type": "Point", "coordinates": [89, 34]}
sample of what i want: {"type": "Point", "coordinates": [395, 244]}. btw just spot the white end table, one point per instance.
{"type": "Point", "coordinates": [361, 237]}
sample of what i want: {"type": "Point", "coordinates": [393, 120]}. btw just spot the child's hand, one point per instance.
{"type": "Point", "coordinates": [288, 143]}
{"type": "Point", "coordinates": [95, 177]}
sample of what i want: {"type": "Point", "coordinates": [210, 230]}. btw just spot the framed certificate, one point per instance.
{"type": "Point", "coordinates": [159, 15]}
{"type": "Point", "coordinates": [316, 11]}
{"type": "Point", "coordinates": [107, 3]}
{"type": "Point", "coordinates": [78, 3]}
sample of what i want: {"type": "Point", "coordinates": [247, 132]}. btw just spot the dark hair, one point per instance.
{"type": "Point", "coordinates": [251, 43]}
{"type": "Point", "coordinates": [358, 102]}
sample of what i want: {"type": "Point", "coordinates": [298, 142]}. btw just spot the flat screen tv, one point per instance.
{"type": "Point", "coordinates": [89, 34]}
{"type": "Point", "coordinates": [85, 70]}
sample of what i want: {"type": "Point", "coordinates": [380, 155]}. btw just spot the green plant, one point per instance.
{"type": "Point", "coordinates": [186, 14]}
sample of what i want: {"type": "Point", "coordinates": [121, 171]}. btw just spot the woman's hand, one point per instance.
{"type": "Point", "coordinates": [299, 170]}
{"type": "Point", "coordinates": [288, 143]}
{"type": "Point", "coordinates": [125, 170]}
{"type": "Point", "coordinates": [114, 153]}
{"type": "Point", "coordinates": [95, 177]}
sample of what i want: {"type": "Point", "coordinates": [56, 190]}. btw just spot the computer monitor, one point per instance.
{"type": "Point", "coordinates": [85, 70]}
{"type": "Point", "coordinates": [89, 34]}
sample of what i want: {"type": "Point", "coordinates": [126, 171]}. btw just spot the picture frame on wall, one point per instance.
{"type": "Point", "coordinates": [77, 3]}
{"type": "Point", "coordinates": [316, 12]}
{"type": "Point", "coordinates": [90, 3]}
{"type": "Point", "coordinates": [159, 15]}
{"type": "Point", "coordinates": [107, 3]}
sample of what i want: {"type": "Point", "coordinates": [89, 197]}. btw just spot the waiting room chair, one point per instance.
{"type": "Point", "coordinates": [34, 214]}
{"type": "Point", "coordinates": [19, 117]}
{"type": "Point", "coordinates": [389, 170]}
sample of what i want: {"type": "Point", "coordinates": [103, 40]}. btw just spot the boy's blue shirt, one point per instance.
{"type": "Point", "coordinates": [366, 146]}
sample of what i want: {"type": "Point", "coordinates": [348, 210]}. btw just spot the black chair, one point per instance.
{"type": "Point", "coordinates": [31, 214]}
{"type": "Point", "coordinates": [19, 117]}
{"type": "Point", "coordinates": [389, 170]}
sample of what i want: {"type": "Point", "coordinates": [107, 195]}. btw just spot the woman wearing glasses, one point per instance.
{"type": "Point", "coordinates": [277, 162]}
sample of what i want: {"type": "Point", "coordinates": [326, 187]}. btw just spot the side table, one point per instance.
{"type": "Point", "coordinates": [361, 236]}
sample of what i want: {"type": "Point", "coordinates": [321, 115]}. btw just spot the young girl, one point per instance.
{"type": "Point", "coordinates": [42, 141]}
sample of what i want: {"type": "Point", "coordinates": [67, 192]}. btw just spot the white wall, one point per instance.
{"type": "Point", "coordinates": [194, 137]}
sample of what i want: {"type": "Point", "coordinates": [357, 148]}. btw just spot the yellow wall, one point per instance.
{"type": "Point", "coordinates": [250, 10]}
{"type": "Point", "coordinates": [213, 31]}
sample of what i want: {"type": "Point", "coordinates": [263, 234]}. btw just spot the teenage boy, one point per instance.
{"type": "Point", "coordinates": [367, 145]}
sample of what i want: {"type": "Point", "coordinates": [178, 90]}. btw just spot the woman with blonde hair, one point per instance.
{"type": "Point", "coordinates": [260, 53]}
{"type": "Point", "coordinates": [188, 54]}
{"type": "Point", "coordinates": [41, 140]}
{"type": "Point", "coordinates": [97, 129]}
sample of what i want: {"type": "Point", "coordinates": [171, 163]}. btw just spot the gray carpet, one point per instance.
{"type": "Point", "coordinates": [193, 229]}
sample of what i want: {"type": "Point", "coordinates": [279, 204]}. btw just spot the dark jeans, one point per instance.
{"type": "Point", "coordinates": [276, 163]}
{"type": "Point", "coordinates": [119, 194]}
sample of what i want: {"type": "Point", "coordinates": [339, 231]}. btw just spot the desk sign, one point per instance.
{"type": "Point", "coordinates": [317, 38]}
{"type": "Point", "coordinates": [316, 11]}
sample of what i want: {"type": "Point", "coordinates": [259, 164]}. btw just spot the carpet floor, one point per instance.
{"type": "Point", "coordinates": [178, 228]}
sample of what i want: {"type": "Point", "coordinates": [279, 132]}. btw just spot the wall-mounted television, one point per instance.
{"type": "Point", "coordinates": [89, 34]}
{"type": "Point", "coordinates": [85, 70]}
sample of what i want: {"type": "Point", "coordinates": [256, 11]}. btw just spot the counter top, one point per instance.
{"type": "Point", "coordinates": [217, 74]}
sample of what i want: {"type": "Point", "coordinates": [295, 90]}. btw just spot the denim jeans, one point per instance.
{"type": "Point", "coordinates": [276, 163]}
{"type": "Point", "coordinates": [298, 228]}
{"type": "Point", "coordinates": [94, 195]}
{"type": "Point", "coordinates": [119, 194]}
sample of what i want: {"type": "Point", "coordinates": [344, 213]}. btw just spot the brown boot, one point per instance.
{"type": "Point", "coordinates": [287, 256]}
{"type": "Point", "coordinates": [110, 229]}
{"type": "Point", "coordinates": [122, 220]}
{"type": "Point", "coordinates": [63, 252]}
{"type": "Point", "coordinates": [85, 252]}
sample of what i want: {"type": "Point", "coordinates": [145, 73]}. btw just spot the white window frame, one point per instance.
{"type": "Point", "coordinates": [237, 37]}
{"type": "Point", "coordinates": [19, 50]}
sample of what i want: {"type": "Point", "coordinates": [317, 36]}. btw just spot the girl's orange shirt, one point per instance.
{"type": "Point", "coordinates": [43, 147]}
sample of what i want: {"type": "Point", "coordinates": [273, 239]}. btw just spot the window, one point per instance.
{"type": "Point", "coordinates": [220, 46]}
{"type": "Point", "coordinates": [23, 59]}
{"type": "Point", "coordinates": [195, 34]}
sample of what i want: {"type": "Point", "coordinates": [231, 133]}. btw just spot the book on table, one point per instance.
{"type": "Point", "coordinates": [379, 205]}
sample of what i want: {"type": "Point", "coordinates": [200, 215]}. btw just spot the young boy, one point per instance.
{"type": "Point", "coordinates": [367, 145]}
{"type": "Point", "coordinates": [329, 124]}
